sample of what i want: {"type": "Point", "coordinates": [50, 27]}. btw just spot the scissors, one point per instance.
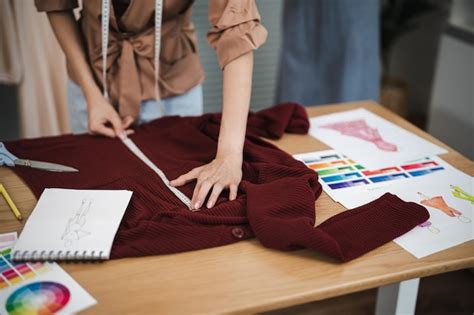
{"type": "Point", "coordinates": [8, 159]}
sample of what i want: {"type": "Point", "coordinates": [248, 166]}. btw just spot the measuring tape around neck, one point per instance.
{"type": "Point", "coordinates": [105, 42]}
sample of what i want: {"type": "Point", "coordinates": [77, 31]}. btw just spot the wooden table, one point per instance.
{"type": "Point", "coordinates": [246, 277]}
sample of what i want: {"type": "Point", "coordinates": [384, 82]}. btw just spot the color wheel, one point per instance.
{"type": "Point", "coordinates": [38, 298]}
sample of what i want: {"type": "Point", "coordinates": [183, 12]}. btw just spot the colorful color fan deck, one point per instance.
{"type": "Point", "coordinates": [14, 273]}
{"type": "Point", "coordinates": [38, 288]}
{"type": "Point", "coordinates": [44, 297]}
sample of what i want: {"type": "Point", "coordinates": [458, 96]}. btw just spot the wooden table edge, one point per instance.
{"type": "Point", "coordinates": [371, 283]}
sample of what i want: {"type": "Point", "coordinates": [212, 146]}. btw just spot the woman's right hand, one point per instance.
{"type": "Point", "coordinates": [104, 120]}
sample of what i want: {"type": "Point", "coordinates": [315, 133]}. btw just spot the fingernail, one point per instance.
{"type": "Point", "coordinates": [197, 205]}
{"type": "Point", "coordinates": [210, 204]}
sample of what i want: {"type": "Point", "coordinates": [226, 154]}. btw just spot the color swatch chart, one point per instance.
{"type": "Point", "coordinates": [336, 171]}
{"type": "Point", "coordinates": [13, 273]}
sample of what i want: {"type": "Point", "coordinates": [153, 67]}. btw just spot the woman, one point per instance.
{"type": "Point", "coordinates": [236, 31]}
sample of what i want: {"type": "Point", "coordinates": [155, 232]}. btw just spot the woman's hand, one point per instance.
{"type": "Point", "coordinates": [101, 114]}
{"type": "Point", "coordinates": [104, 120]}
{"type": "Point", "coordinates": [224, 172]}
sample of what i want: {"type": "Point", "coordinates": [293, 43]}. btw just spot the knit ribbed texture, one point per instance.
{"type": "Point", "coordinates": [275, 201]}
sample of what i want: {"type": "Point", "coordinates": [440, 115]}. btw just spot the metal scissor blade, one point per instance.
{"type": "Point", "coordinates": [52, 167]}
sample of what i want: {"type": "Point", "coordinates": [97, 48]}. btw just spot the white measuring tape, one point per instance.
{"type": "Point", "coordinates": [105, 43]}
{"type": "Point", "coordinates": [138, 153]}
{"type": "Point", "coordinates": [127, 141]}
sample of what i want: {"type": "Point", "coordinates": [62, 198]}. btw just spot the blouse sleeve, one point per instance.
{"type": "Point", "coordinates": [236, 29]}
{"type": "Point", "coordinates": [55, 5]}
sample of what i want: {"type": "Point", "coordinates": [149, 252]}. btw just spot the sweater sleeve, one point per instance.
{"type": "Point", "coordinates": [55, 5]}
{"type": "Point", "coordinates": [270, 123]}
{"type": "Point", "coordinates": [236, 29]}
{"type": "Point", "coordinates": [274, 121]}
{"type": "Point", "coordinates": [287, 222]}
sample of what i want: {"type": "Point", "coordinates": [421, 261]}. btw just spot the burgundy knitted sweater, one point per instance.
{"type": "Point", "coordinates": [275, 202]}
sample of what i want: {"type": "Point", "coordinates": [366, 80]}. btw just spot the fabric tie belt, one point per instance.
{"type": "Point", "coordinates": [144, 45]}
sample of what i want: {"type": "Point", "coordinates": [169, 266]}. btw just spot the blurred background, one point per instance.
{"type": "Point", "coordinates": [422, 60]}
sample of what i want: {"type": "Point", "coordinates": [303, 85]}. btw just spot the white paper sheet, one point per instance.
{"type": "Point", "coordinates": [431, 177]}
{"type": "Point", "coordinates": [73, 224]}
{"type": "Point", "coordinates": [370, 139]}
{"type": "Point", "coordinates": [436, 193]}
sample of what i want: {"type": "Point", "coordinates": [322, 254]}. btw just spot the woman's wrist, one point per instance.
{"type": "Point", "coordinates": [232, 133]}
{"type": "Point", "coordinates": [225, 150]}
{"type": "Point", "coordinates": [91, 94]}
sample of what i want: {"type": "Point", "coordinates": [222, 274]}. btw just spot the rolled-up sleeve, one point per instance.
{"type": "Point", "coordinates": [236, 29]}
{"type": "Point", "coordinates": [55, 5]}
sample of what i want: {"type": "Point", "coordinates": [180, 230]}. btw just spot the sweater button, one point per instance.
{"type": "Point", "coordinates": [238, 232]}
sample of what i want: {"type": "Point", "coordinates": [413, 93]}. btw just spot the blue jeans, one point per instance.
{"type": "Point", "coordinates": [330, 51]}
{"type": "Point", "coordinates": [187, 104]}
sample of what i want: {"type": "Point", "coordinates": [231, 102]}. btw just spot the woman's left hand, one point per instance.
{"type": "Point", "coordinates": [224, 172]}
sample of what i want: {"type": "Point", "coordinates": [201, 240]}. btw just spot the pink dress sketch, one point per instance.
{"type": "Point", "coordinates": [360, 129]}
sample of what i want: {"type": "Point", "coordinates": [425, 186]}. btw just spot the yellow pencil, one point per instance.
{"type": "Point", "coordinates": [10, 202]}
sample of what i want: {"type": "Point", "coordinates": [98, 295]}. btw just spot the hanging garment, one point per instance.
{"type": "Point", "coordinates": [334, 46]}
{"type": "Point", "coordinates": [10, 57]}
{"type": "Point", "coordinates": [276, 197]}
{"type": "Point", "coordinates": [31, 58]}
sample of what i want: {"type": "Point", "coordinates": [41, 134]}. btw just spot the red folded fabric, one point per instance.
{"type": "Point", "coordinates": [276, 196]}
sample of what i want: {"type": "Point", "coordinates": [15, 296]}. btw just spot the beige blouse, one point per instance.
{"type": "Point", "coordinates": [235, 30]}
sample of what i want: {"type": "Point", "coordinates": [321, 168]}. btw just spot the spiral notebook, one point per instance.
{"type": "Point", "coordinates": [68, 224]}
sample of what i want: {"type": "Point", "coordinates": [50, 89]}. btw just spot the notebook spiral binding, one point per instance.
{"type": "Point", "coordinates": [44, 255]}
